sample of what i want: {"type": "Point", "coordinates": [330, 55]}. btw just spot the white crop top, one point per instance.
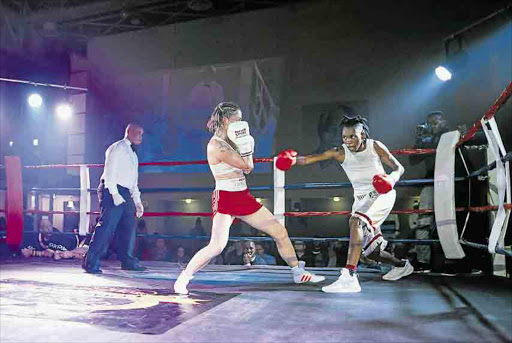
{"type": "Point", "coordinates": [222, 167]}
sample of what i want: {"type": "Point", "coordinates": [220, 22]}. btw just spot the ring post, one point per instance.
{"type": "Point", "coordinates": [444, 196]}
{"type": "Point", "coordinates": [14, 200]}
{"type": "Point", "coordinates": [499, 227]}
{"type": "Point", "coordinates": [85, 200]}
{"type": "Point", "coordinates": [279, 194]}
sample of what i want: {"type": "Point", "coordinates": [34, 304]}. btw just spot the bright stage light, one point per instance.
{"type": "Point", "coordinates": [336, 199]}
{"type": "Point", "coordinates": [188, 201]}
{"type": "Point", "coordinates": [35, 142]}
{"type": "Point", "coordinates": [259, 200]}
{"type": "Point", "coordinates": [443, 74]}
{"type": "Point", "coordinates": [35, 100]}
{"type": "Point", "coordinates": [64, 111]}
{"type": "Point", "coordinates": [11, 143]}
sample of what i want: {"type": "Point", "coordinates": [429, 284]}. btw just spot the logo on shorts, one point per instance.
{"type": "Point", "coordinates": [372, 195]}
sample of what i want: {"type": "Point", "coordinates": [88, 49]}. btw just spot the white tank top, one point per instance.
{"type": "Point", "coordinates": [361, 167]}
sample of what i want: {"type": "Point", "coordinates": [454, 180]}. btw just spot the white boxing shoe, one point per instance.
{"type": "Point", "coordinates": [300, 275]}
{"type": "Point", "coordinates": [397, 273]}
{"type": "Point", "coordinates": [346, 283]}
{"type": "Point", "coordinates": [180, 285]}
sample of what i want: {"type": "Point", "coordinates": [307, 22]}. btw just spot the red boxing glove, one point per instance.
{"type": "Point", "coordinates": [383, 183]}
{"type": "Point", "coordinates": [286, 159]}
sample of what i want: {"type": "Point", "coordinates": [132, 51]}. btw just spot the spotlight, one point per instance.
{"type": "Point", "coordinates": [336, 199]}
{"type": "Point", "coordinates": [443, 74]}
{"type": "Point", "coordinates": [11, 143]}
{"type": "Point", "coordinates": [35, 100]}
{"type": "Point", "coordinates": [64, 111]}
{"type": "Point", "coordinates": [259, 200]}
{"type": "Point", "coordinates": [35, 142]}
{"type": "Point", "coordinates": [188, 201]}
{"type": "Point", "coordinates": [71, 204]}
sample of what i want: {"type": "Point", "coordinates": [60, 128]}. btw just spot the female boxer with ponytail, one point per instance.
{"type": "Point", "coordinates": [229, 155]}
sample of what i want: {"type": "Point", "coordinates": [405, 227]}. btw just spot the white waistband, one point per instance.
{"type": "Point", "coordinates": [231, 185]}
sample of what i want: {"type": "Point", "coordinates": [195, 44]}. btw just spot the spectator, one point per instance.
{"type": "Point", "coordinates": [300, 250]}
{"type": "Point", "coordinates": [250, 257]}
{"type": "Point", "coordinates": [181, 257]}
{"type": "Point", "coordinates": [234, 253]}
{"type": "Point", "coordinates": [197, 231]}
{"type": "Point", "coordinates": [160, 251]}
{"type": "Point", "coordinates": [318, 254]}
{"type": "Point", "coordinates": [428, 135]}
{"type": "Point", "coordinates": [337, 254]}
{"type": "Point", "coordinates": [260, 251]}
{"type": "Point", "coordinates": [48, 240]}
{"type": "Point", "coordinates": [142, 244]}
{"type": "Point", "coordinates": [217, 260]}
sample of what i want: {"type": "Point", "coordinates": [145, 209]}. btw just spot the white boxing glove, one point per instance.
{"type": "Point", "coordinates": [238, 133]}
{"type": "Point", "coordinates": [118, 199]}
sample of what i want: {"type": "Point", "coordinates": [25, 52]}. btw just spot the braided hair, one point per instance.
{"type": "Point", "coordinates": [355, 121]}
{"type": "Point", "coordinates": [222, 110]}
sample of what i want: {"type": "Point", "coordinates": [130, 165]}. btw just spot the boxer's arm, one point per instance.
{"type": "Point", "coordinates": [336, 154]}
{"type": "Point", "coordinates": [225, 153]}
{"type": "Point", "coordinates": [250, 163]}
{"type": "Point", "coordinates": [388, 159]}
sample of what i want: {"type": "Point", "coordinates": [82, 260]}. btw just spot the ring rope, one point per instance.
{"type": "Point", "coordinates": [477, 209]}
{"type": "Point", "coordinates": [490, 166]}
{"type": "Point", "coordinates": [502, 99]}
{"type": "Point", "coordinates": [265, 238]}
{"type": "Point", "coordinates": [469, 192]}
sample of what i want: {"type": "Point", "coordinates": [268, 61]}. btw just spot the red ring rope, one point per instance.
{"type": "Point", "coordinates": [502, 99]}
{"type": "Point", "coordinates": [288, 214]}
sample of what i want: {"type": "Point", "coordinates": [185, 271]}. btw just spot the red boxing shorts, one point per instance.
{"type": "Point", "coordinates": [239, 203]}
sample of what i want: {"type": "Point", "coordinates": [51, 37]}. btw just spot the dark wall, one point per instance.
{"type": "Point", "coordinates": [337, 52]}
{"type": "Point", "coordinates": [381, 54]}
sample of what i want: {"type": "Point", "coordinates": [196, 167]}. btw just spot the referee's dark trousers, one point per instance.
{"type": "Point", "coordinates": [113, 219]}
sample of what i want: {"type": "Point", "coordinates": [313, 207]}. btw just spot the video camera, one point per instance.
{"type": "Point", "coordinates": [424, 130]}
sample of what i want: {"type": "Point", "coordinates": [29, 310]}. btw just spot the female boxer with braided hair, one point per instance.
{"type": "Point", "coordinates": [374, 197]}
{"type": "Point", "coordinates": [229, 155]}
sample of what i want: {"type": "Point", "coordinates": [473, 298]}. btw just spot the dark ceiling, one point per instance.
{"type": "Point", "coordinates": [32, 25]}
{"type": "Point", "coordinates": [81, 20]}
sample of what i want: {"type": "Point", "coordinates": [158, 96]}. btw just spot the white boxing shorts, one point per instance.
{"type": "Point", "coordinates": [373, 208]}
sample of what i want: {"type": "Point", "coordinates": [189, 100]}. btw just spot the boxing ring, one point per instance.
{"type": "Point", "coordinates": [47, 300]}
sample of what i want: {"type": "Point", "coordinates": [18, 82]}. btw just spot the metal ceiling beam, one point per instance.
{"type": "Point", "coordinates": [80, 12]}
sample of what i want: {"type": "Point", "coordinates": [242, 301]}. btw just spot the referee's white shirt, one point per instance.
{"type": "Point", "coordinates": [122, 168]}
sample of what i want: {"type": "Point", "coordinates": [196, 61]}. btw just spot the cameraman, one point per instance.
{"type": "Point", "coordinates": [428, 135]}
